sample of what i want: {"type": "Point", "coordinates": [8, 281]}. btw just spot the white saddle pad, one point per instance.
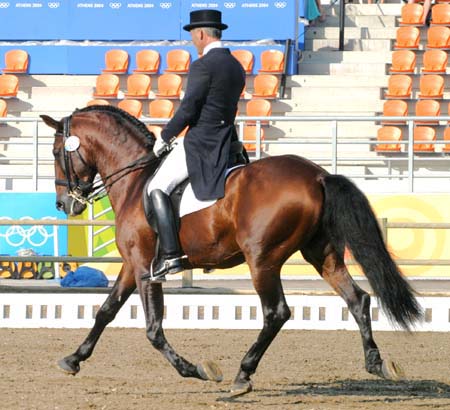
{"type": "Point", "coordinates": [189, 203]}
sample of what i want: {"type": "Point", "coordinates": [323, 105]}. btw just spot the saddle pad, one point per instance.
{"type": "Point", "coordinates": [189, 203]}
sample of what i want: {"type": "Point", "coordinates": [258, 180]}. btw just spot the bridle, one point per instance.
{"type": "Point", "coordinates": [86, 192]}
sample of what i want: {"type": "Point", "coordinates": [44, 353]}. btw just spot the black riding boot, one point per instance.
{"type": "Point", "coordinates": [169, 256]}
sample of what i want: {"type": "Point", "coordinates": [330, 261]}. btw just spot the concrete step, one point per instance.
{"type": "Point", "coordinates": [350, 44]}
{"type": "Point", "coordinates": [359, 33]}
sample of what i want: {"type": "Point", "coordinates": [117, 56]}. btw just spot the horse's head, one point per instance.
{"type": "Point", "coordinates": [74, 175]}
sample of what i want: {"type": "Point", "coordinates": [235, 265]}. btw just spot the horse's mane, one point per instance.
{"type": "Point", "coordinates": [124, 116]}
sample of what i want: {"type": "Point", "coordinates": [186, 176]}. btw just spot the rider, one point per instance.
{"type": "Point", "coordinates": [214, 85]}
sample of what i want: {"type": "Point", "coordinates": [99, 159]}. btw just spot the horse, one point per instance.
{"type": "Point", "coordinates": [272, 208]}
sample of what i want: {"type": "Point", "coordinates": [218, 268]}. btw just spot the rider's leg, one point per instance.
{"type": "Point", "coordinates": [170, 174]}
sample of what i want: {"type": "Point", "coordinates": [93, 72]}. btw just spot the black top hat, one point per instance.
{"type": "Point", "coordinates": [205, 18]}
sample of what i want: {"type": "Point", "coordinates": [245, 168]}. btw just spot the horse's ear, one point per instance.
{"type": "Point", "coordinates": [51, 122]}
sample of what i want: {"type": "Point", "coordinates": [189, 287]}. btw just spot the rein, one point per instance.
{"type": "Point", "coordinates": [87, 192]}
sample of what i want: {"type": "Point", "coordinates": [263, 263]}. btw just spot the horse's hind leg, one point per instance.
{"type": "Point", "coordinates": [276, 312]}
{"type": "Point", "coordinates": [120, 292]}
{"type": "Point", "coordinates": [332, 268]}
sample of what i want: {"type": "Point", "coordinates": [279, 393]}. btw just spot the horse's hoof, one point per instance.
{"type": "Point", "coordinates": [209, 370]}
{"type": "Point", "coordinates": [241, 388]}
{"type": "Point", "coordinates": [392, 371]}
{"type": "Point", "coordinates": [68, 367]}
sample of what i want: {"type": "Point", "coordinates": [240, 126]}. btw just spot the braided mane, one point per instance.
{"type": "Point", "coordinates": [124, 116]}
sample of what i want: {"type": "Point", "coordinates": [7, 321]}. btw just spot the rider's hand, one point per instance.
{"type": "Point", "coordinates": [160, 146]}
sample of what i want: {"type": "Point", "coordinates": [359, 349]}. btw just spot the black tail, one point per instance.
{"type": "Point", "coordinates": [350, 221]}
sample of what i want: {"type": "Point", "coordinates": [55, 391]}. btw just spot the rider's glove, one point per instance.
{"type": "Point", "coordinates": [160, 147]}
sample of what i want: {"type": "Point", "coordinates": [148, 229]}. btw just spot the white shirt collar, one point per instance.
{"type": "Point", "coordinates": [210, 46]}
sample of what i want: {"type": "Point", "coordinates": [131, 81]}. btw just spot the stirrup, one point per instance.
{"type": "Point", "coordinates": [168, 266]}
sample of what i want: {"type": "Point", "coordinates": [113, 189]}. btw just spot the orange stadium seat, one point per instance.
{"type": "Point", "coordinates": [138, 86]}
{"type": "Point", "coordinates": [3, 108]}
{"type": "Point", "coordinates": [434, 62]}
{"type": "Point", "coordinates": [116, 61]}
{"type": "Point", "coordinates": [106, 86]}
{"type": "Point", "coordinates": [169, 86]}
{"type": "Point", "coordinates": [178, 61]}
{"type": "Point", "coordinates": [258, 108]}
{"type": "Point", "coordinates": [133, 107]}
{"type": "Point", "coordinates": [246, 58]}
{"type": "Point", "coordinates": [431, 86]}
{"type": "Point", "coordinates": [147, 62]}
{"type": "Point", "coordinates": [403, 61]}
{"type": "Point", "coordinates": [97, 102]}
{"type": "Point", "coordinates": [440, 15]}
{"type": "Point", "coordinates": [250, 134]}
{"type": "Point", "coordinates": [394, 108]}
{"type": "Point", "coordinates": [412, 15]}
{"type": "Point", "coordinates": [16, 61]}
{"type": "Point", "coordinates": [427, 135]}
{"type": "Point", "coordinates": [438, 37]}
{"type": "Point", "coordinates": [265, 86]}
{"type": "Point", "coordinates": [161, 108]}
{"type": "Point", "coordinates": [9, 85]}
{"type": "Point", "coordinates": [428, 108]}
{"type": "Point", "coordinates": [272, 61]}
{"type": "Point", "coordinates": [391, 134]}
{"type": "Point", "coordinates": [446, 147]}
{"type": "Point", "coordinates": [407, 38]}
{"type": "Point", "coordinates": [399, 86]}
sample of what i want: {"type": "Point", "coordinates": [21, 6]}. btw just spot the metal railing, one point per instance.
{"type": "Point", "coordinates": [333, 141]}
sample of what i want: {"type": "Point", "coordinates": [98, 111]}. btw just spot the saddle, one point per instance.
{"type": "Point", "coordinates": [237, 157]}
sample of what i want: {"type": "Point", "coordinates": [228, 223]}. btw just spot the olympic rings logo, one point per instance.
{"type": "Point", "coordinates": [18, 235]}
{"type": "Point", "coordinates": [229, 5]}
{"type": "Point", "coordinates": [54, 5]}
{"type": "Point", "coordinates": [280, 4]}
{"type": "Point", "coordinates": [165, 5]}
{"type": "Point", "coordinates": [115, 5]}
{"type": "Point", "coordinates": [4, 5]}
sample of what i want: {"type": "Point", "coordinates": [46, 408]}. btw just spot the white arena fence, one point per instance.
{"type": "Point", "coordinates": [202, 311]}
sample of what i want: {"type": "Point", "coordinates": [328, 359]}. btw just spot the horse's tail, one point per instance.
{"type": "Point", "coordinates": [350, 221]}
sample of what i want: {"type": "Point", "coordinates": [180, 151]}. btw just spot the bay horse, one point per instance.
{"type": "Point", "coordinates": [272, 208]}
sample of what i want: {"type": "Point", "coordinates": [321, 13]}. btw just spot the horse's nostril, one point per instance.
{"type": "Point", "coordinates": [60, 205]}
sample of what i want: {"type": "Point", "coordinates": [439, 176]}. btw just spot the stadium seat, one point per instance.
{"type": "Point", "coordinates": [265, 86]}
{"type": "Point", "coordinates": [169, 86]}
{"type": "Point", "coordinates": [246, 58]}
{"type": "Point", "coordinates": [16, 61]}
{"type": "Point", "coordinates": [97, 102]}
{"type": "Point", "coordinates": [434, 62]}
{"type": "Point", "coordinates": [258, 108]}
{"type": "Point", "coordinates": [138, 86]}
{"type": "Point", "coordinates": [427, 135]}
{"type": "Point", "coordinates": [440, 15]}
{"type": "Point", "coordinates": [272, 62]}
{"type": "Point", "coordinates": [3, 108]}
{"type": "Point", "coordinates": [161, 108]}
{"type": "Point", "coordinates": [428, 108]}
{"type": "Point", "coordinates": [394, 108]}
{"type": "Point", "coordinates": [399, 86]}
{"type": "Point", "coordinates": [412, 15]}
{"type": "Point", "coordinates": [250, 134]}
{"type": "Point", "coordinates": [178, 61]}
{"type": "Point", "coordinates": [391, 134]}
{"type": "Point", "coordinates": [106, 86]}
{"type": "Point", "coordinates": [45, 270]}
{"type": "Point", "coordinates": [446, 147]}
{"type": "Point", "coordinates": [403, 61]}
{"type": "Point", "coordinates": [438, 37]}
{"type": "Point", "coordinates": [407, 38]}
{"type": "Point", "coordinates": [8, 270]}
{"type": "Point", "coordinates": [147, 62]}
{"type": "Point", "coordinates": [27, 270]}
{"type": "Point", "coordinates": [116, 61]}
{"type": "Point", "coordinates": [133, 107]}
{"type": "Point", "coordinates": [431, 86]}
{"type": "Point", "coordinates": [9, 85]}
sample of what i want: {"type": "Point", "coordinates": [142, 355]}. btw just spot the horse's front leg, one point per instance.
{"type": "Point", "coordinates": [153, 301]}
{"type": "Point", "coordinates": [122, 289]}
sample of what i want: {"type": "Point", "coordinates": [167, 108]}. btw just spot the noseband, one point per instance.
{"type": "Point", "coordinates": [87, 192]}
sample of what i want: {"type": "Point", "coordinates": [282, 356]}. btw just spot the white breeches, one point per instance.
{"type": "Point", "coordinates": [172, 171]}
